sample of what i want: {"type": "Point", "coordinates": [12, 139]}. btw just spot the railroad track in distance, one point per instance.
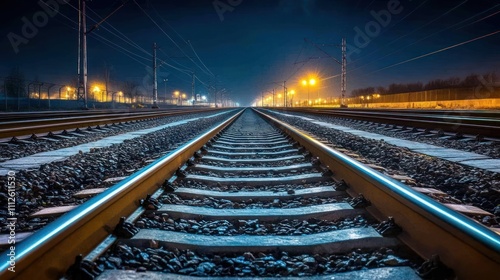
{"type": "Point", "coordinates": [255, 197]}
{"type": "Point", "coordinates": [31, 124]}
{"type": "Point", "coordinates": [459, 123]}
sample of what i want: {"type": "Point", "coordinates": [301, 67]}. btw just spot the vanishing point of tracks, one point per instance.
{"type": "Point", "coordinates": [256, 198]}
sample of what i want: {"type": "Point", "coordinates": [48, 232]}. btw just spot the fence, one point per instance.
{"type": "Point", "coordinates": [455, 98]}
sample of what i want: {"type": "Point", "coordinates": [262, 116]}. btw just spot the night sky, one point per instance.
{"type": "Point", "coordinates": [253, 45]}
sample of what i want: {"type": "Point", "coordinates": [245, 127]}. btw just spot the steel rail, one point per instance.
{"type": "Point", "coordinates": [43, 126]}
{"type": "Point", "coordinates": [457, 119]}
{"type": "Point", "coordinates": [23, 116]}
{"type": "Point", "coordinates": [463, 113]}
{"type": "Point", "coordinates": [485, 126]}
{"type": "Point", "coordinates": [49, 252]}
{"type": "Point", "coordinates": [470, 249]}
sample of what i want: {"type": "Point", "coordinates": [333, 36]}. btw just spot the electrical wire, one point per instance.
{"type": "Point", "coordinates": [424, 38]}
{"type": "Point", "coordinates": [110, 43]}
{"type": "Point", "coordinates": [438, 51]}
{"type": "Point", "coordinates": [411, 44]}
{"type": "Point", "coordinates": [121, 36]}
{"type": "Point", "coordinates": [168, 36]}
{"type": "Point", "coordinates": [189, 43]}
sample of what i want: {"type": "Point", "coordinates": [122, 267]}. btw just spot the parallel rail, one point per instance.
{"type": "Point", "coordinates": [50, 251]}
{"type": "Point", "coordinates": [486, 124]}
{"type": "Point", "coordinates": [34, 115]}
{"type": "Point", "coordinates": [10, 129]}
{"type": "Point", "coordinates": [429, 228]}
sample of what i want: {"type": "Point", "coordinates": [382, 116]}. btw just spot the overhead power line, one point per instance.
{"type": "Point", "coordinates": [170, 38]}
{"type": "Point", "coordinates": [438, 51]}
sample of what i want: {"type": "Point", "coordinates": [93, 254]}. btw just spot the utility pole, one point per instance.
{"type": "Point", "coordinates": [284, 93]}
{"type": "Point", "coordinates": [343, 63]}
{"type": "Point", "coordinates": [192, 89]}
{"type": "Point", "coordinates": [155, 81]}
{"type": "Point", "coordinates": [343, 76]}
{"type": "Point", "coordinates": [79, 43]}
{"type": "Point", "coordinates": [82, 88]}
{"type": "Point", "coordinates": [165, 81]}
{"type": "Point", "coordinates": [82, 33]}
{"type": "Point", "coordinates": [215, 96]}
{"type": "Point", "coordinates": [273, 99]}
{"type": "Point", "coordinates": [107, 73]}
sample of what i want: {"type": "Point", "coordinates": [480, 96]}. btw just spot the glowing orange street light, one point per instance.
{"type": "Point", "coordinates": [68, 89]}
{"type": "Point", "coordinates": [291, 92]}
{"type": "Point", "coordinates": [176, 94]}
{"type": "Point", "coordinates": [311, 82]}
{"type": "Point", "coordinates": [183, 97]}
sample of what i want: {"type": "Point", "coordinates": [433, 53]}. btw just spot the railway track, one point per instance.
{"type": "Point", "coordinates": [33, 115]}
{"type": "Point", "coordinates": [257, 198]}
{"type": "Point", "coordinates": [29, 124]}
{"type": "Point", "coordinates": [477, 124]}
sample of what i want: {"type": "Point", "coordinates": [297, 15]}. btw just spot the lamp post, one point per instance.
{"type": "Point", "coordinates": [274, 104]}
{"type": "Point", "coordinates": [182, 99]}
{"type": "Point", "coordinates": [48, 93]}
{"type": "Point", "coordinates": [308, 84]}
{"type": "Point", "coordinates": [40, 95]}
{"type": "Point", "coordinates": [292, 92]}
{"type": "Point", "coordinates": [95, 91]}
{"type": "Point", "coordinates": [176, 94]}
{"type": "Point", "coordinates": [60, 95]}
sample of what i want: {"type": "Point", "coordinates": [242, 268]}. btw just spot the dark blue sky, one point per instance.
{"type": "Point", "coordinates": [260, 43]}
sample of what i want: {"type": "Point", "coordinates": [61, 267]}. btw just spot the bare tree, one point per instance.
{"type": "Point", "coordinates": [131, 90]}
{"type": "Point", "coordinates": [470, 81]}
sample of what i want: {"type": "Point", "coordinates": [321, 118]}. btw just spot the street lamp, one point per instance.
{"type": "Point", "coordinates": [95, 91]}
{"type": "Point", "coordinates": [182, 99]}
{"type": "Point", "coordinates": [176, 94]}
{"type": "Point", "coordinates": [292, 92]}
{"type": "Point", "coordinates": [308, 84]}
